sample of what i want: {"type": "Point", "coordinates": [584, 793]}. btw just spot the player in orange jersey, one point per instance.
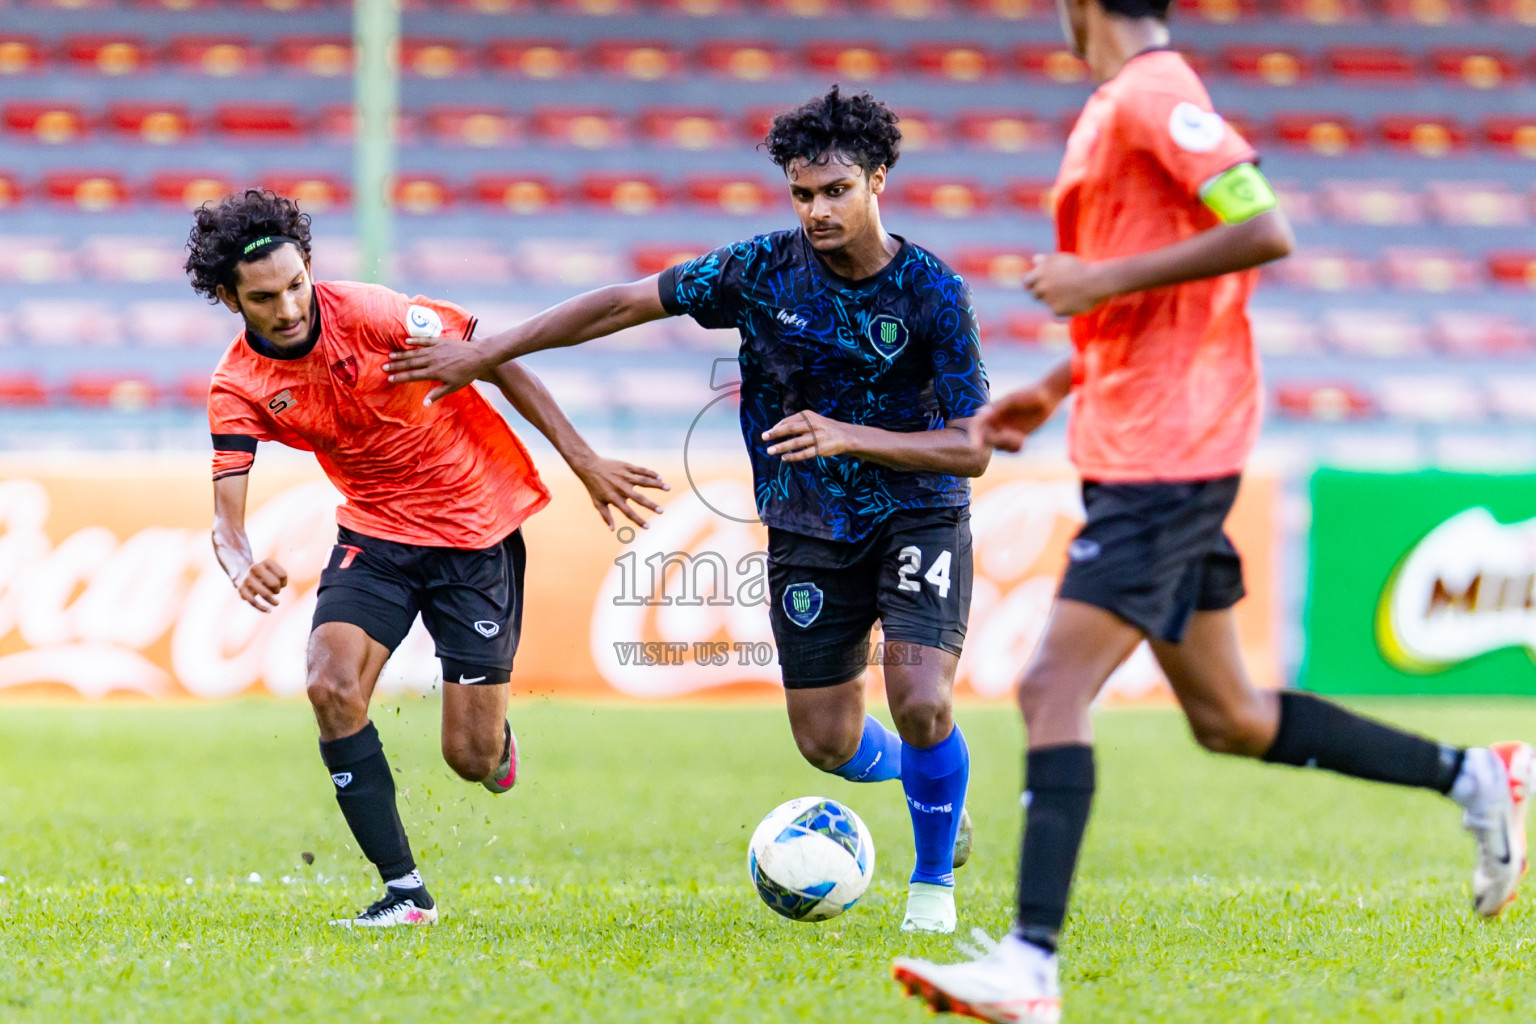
{"type": "Point", "coordinates": [435, 498]}
{"type": "Point", "coordinates": [1161, 219]}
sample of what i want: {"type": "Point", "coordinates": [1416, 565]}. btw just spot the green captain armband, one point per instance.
{"type": "Point", "coordinates": [1239, 194]}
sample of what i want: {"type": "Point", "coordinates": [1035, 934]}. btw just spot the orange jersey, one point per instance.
{"type": "Point", "coordinates": [1167, 381]}
{"type": "Point", "coordinates": [452, 474]}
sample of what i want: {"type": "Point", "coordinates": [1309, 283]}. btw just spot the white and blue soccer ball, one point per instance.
{"type": "Point", "coordinates": [811, 858]}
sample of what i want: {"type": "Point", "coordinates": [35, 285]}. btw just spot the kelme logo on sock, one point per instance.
{"type": "Point", "coordinates": [342, 779]}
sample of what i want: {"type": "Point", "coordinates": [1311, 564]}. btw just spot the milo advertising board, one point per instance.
{"type": "Point", "coordinates": [1422, 583]}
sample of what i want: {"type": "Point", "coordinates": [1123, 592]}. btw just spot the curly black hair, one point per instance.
{"type": "Point", "coordinates": [858, 127]}
{"type": "Point", "coordinates": [224, 229]}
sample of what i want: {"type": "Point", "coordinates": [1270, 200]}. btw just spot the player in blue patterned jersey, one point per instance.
{"type": "Point", "coordinates": [860, 369]}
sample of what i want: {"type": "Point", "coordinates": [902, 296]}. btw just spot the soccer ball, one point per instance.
{"type": "Point", "coordinates": [811, 859]}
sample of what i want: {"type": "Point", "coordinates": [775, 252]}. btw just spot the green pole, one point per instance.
{"type": "Point", "coordinates": [376, 102]}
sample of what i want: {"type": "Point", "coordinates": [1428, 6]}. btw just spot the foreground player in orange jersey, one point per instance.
{"type": "Point", "coordinates": [1161, 218]}
{"type": "Point", "coordinates": [435, 498]}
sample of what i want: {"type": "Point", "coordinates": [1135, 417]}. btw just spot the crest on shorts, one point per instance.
{"type": "Point", "coordinates": [888, 335]}
{"type": "Point", "coordinates": [487, 628]}
{"type": "Point", "coordinates": [346, 370]}
{"type": "Point", "coordinates": [802, 603]}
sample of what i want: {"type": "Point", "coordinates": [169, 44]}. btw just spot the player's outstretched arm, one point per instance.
{"type": "Point", "coordinates": [808, 435]}
{"type": "Point", "coordinates": [259, 583]}
{"type": "Point", "coordinates": [610, 482]}
{"type": "Point", "coordinates": [1006, 422]}
{"type": "Point", "coordinates": [595, 314]}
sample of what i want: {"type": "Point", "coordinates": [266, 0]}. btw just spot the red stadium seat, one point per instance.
{"type": "Point", "coordinates": [1032, 197]}
{"type": "Point", "coordinates": [1426, 12]}
{"type": "Point", "coordinates": [855, 62]}
{"type": "Point", "coordinates": [155, 123]}
{"type": "Point", "coordinates": [257, 122]}
{"type": "Point", "coordinates": [1300, 205]}
{"type": "Point", "coordinates": [436, 58]}
{"type": "Point", "coordinates": [1323, 270]}
{"type": "Point", "coordinates": [1221, 12]}
{"type": "Point", "coordinates": [1326, 402]}
{"type": "Point", "coordinates": [1325, 12]}
{"type": "Point", "coordinates": [1377, 65]}
{"type": "Point", "coordinates": [93, 191]}
{"type": "Point", "coordinates": [1378, 203]}
{"type": "Point", "coordinates": [482, 127]}
{"type": "Point", "coordinates": [22, 389]}
{"type": "Point", "coordinates": [1477, 204]}
{"type": "Point", "coordinates": [653, 259]}
{"type": "Point", "coordinates": [1004, 131]}
{"type": "Point", "coordinates": [910, 10]}
{"type": "Point", "coordinates": [694, 128]}
{"type": "Point", "coordinates": [947, 197]}
{"type": "Point", "coordinates": [1284, 332]}
{"type": "Point", "coordinates": [177, 323]}
{"type": "Point", "coordinates": [1273, 65]}
{"type": "Point", "coordinates": [521, 194]}
{"type": "Point", "coordinates": [178, 6]}
{"type": "Point", "coordinates": [699, 8]}
{"type": "Point", "coordinates": [21, 55]}
{"type": "Point", "coordinates": [189, 191]}
{"type": "Point", "coordinates": [734, 195]}
{"type": "Point", "coordinates": [422, 193]}
{"type": "Point", "coordinates": [37, 260]}
{"type": "Point", "coordinates": [316, 193]}
{"type": "Point", "coordinates": [321, 56]}
{"type": "Point", "coordinates": [958, 62]}
{"type": "Point", "coordinates": [1464, 334]}
{"type": "Point", "coordinates": [756, 122]}
{"type": "Point", "coordinates": [53, 123]}
{"type": "Point", "coordinates": [804, 8]}
{"type": "Point", "coordinates": [1011, 10]}
{"type": "Point", "coordinates": [1429, 269]}
{"type": "Point", "coordinates": [287, 5]}
{"type": "Point", "coordinates": [1513, 267]}
{"type": "Point", "coordinates": [1385, 334]}
{"type": "Point", "coordinates": [532, 58]}
{"type": "Point", "coordinates": [216, 56]}
{"type": "Point", "coordinates": [582, 127]}
{"type": "Point", "coordinates": [107, 55]}
{"type": "Point", "coordinates": [192, 389]}
{"type": "Point", "coordinates": [593, 8]}
{"type": "Point", "coordinates": [1430, 399]}
{"type": "Point", "coordinates": [640, 61]}
{"type": "Point", "coordinates": [1519, 12]}
{"type": "Point", "coordinates": [11, 191]}
{"type": "Point", "coordinates": [631, 194]}
{"type": "Point", "coordinates": [996, 267]}
{"type": "Point", "coordinates": [1038, 329]}
{"type": "Point", "coordinates": [1323, 134]}
{"type": "Point", "coordinates": [1428, 135]}
{"type": "Point", "coordinates": [459, 261]}
{"type": "Point", "coordinates": [122, 392]}
{"type": "Point", "coordinates": [490, 6]}
{"type": "Point", "coordinates": [1055, 63]}
{"type": "Point", "coordinates": [920, 131]}
{"type": "Point", "coordinates": [1477, 68]}
{"type": "Point", "coordinates": [748, 60]}
{"type": "Point", "coordinates": [1516, 134]}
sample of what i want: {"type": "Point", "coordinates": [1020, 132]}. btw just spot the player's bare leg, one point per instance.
{"type": "Point", "coordinates": [1229, 715]}
{"type": "Point", "coordinates": [477, 738]}
{"type": "Point", "coordinates": [344, 666]}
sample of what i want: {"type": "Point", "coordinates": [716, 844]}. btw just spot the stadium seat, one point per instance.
{"type": "Point", "coordinates": [1324, 402]}
{"type": "Point", "coordinates": [19, 388]}
{"type": "Point", "coordinates": [257, 122]}
{"type": "Point", "coordinates": [804, 8]}
{"type": "Point", "coordinates": [315, 192]}
{"type": "Point", "coordinates": [91, 191]}
{"type": "Point", "coordinates": [1378, 203]}
{"type": "Point", "coordinates": [1323, 134]}
{"type": "Point", "coordinates": [694, 128]}
{"type": "Point", "coordinates": [593, 8]}
{"type": "Point", "coordinates": [1325, 12]}
{"type": "Point", "coordinates": [121, 392]}
{"type": "Point", "coordinates": [1284, 332]}
{"type": "Point", "coordinates": [648, 61]}
{"type": "Point", "coordinates": [1437, 398]}
{"type": "Point", "coordinates": [1011, 10]}
{"type": "Point", "coordinates": [32, 259]}
{"type": "Point", "coordinates": [192, 389]}
{"type": "Point", "coordinates": [910, 10]}
{"type": "Point", "coordinates": [1038, 329]}
{"type": "Point", "coordinates": [66, 323]}
{"type": "Point", "coordinates": [699, 8]}
{"type": "Point", "coordinates": [1032, 197]}
{"type": "Point", "coordinates": [177, 323]}
{"type": "Point", "coordinates": [756, 122]}
{"type": "Point", "coordinates": [1468, 334]}
{"type": "Point", "coordinates": [1374, 65]}
{"type": "Point", "coordinates": [482, 127]}
{"type": "Point", "coordinates": [1272, 65]}
{"type": "Point", "coordinates": [921, 131]}
{"type": "Point", "coordinates": [1428, 135]}
{"type": "Point", "coordinates": [1385, 334]}
{"type": "Point", "coordinates": [321, 56]}
{"type": "Point", "coordinates": [1477, 204]}
{"type": "Point", "coordinates": [1300, 205]}
{"type": "Point", "coordinates": [215, 56]}
{"type": "Point", "coordinates": [1429, 269]}
{"type": "Point", "coordinates": [1426, 12]}
{"type": "Point", "coordinates": [11, 191]}
{"type": "Point", "coordinates": [458, 261]}
{"type": "Point", "coordinates": [1513, 398]}
{"type": "Point", "coordinates": [569, 263]}
{"type": "Point", "coordinates": [653, 259]}
{"type": "Point", "coordinates": [995, 267]}
{"type": "Point", "coordinates": [21, 55]}
{"type": "Point", "coordinates": [948, 197]}
{"type": "Point", "coordinates": [1478, 68]}
{"type": "Point", "coordinates": [516, 193]}
{"type": "Point", "coordinates": [1515, 134]}
{"type": "Point", "coordinates": [1517, 12]}
{"type": "Point", "coordinates": [630, 194]}
{"type": "Point", "coordinates": [748, 60]}
{"type": "Point", "coordinates": [160, 124]}
{"type": "Point", "coordinates": [1004, 131]}
{"type": "Point", "coordinates": [734, 195]}
{"type": "Point", "coordinates": [107, 55]}
{"type": "Point", "coordinates": [1055, 63]}
{"type": "Point", "coordinates": [1323, 270]}
{"type": "Point", "coordinates": [850, 62]}
{"type": "Point", "coordinates": [436, 58]}
{"type": "Point", "coordinates": [532, 58]}
{"type": "Point", "coordinates": [1513, 267]}
{"type": "Point", "coordinates": [52, 123]}
{"type": "Point", "coordinates": [1220, 12]}
{"type": "Point", "coordinates": [958, 62]}
{"type": "Point", "coordinates": [422, 193]}
{"type": "Point", "coordinates": [582, 127]}
{"type": "Point", "coordinates": [132, 258]}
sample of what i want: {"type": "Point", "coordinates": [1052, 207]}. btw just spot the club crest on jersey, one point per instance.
{"type": "Point", "coordinates": [802, 603]}
{"type": "Point", "coordinates": [346, 370]}
{"type": "Point", "coordinates": [888, 335]}
{"type": "Point", "coordinates": [421, 322]}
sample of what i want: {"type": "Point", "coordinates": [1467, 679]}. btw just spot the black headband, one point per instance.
{"type": "Point", "coordinates": [259, 247]}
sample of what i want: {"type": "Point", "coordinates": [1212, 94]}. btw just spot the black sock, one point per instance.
{"type": "Point", "coordinates": [366, 792]}
{"type": "Point", "coordinates": [1059, 785]}
{"type": "Point", "coordinates": [1315, 733]}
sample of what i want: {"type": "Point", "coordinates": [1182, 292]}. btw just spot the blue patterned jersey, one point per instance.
{"type": "Point", "coordinates": [898, 351]}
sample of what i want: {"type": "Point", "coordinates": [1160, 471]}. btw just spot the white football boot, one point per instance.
{"type": "Point", "coordinates": [398, 907]}
{"type": "Point", "coordinates": [1013, 983]}
{"type": "Point", "coordinates": [930, 908]}
{"type": "Point", "coordinates": [1495, 815]}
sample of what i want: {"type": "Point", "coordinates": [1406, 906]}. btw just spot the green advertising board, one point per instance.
{"type": "Point", "coordinates": [1421, 583]}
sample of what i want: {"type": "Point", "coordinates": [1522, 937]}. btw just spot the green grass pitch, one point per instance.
{"type": "Point", "coordinates": [611, 885]}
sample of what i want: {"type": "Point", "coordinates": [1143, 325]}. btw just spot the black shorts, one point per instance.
{"type": "Point", "coordinates": [1154, 553]}
{"type": "Point", "coordinates": [471, 600]}
{"type": "Point", "coordinates": [913, 573]}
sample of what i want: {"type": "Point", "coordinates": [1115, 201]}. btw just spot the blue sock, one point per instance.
{"type": "Point", "coordinates": [879, 756]}
{"type": "Point", "coordinates": [935, 779]}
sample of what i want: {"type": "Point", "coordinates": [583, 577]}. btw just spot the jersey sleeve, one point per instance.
{"type": "Point", "coordinates": [706, 288]}
{"type": "Point", "coordinates": [959, 376]}
{"type": "Point", "coordinates": [393, 318]}
{"type": "Point", "coordinates": [237, 426]}
{"type": "Point", "coordinates": [1190, 140]}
